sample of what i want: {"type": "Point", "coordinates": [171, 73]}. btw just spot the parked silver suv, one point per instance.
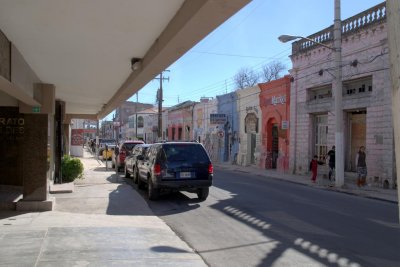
{"type": "Point", "coordinates": [181, 166]}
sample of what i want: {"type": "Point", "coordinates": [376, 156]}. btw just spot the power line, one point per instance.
{"type": "Point", "coordinates": [228, 55]}
{"type": "Point", "coordinates": [222, 83]}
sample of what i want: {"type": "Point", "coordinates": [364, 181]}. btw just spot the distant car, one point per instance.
{"type": "Point", "coordinates": [104, 142]}
{"type": "Point", "coordinates": [131, 161]}
{"type": "Point", "coordinates": [107, 153]}
{"type": "Point", "coordinates": [121, 151]}
{"type": "Point", "coordinates": [181, 166]}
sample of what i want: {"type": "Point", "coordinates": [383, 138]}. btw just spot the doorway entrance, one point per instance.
{"type": "Point", "coordinates": [357, 137]}
{"type": "Point", "coordinates": [252, 148]}
{"type": "Point", "coordinates": [275, 145]}
{"type": "Point", "coordinates": [251, 128]}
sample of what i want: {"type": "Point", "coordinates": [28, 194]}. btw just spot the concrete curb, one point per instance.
{"type": "Point", "coordinates": [62, 188]}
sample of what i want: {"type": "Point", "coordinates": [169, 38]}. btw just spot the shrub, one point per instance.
{"type": "Point", "coordinates": [71, 168]}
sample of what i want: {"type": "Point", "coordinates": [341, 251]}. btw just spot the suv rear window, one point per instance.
{"type": "Point", "coordinates": [129, 146]}
{"type": "Point", "coordinates": [185, 152]}
{"type": "Point", "coordinates": [107, 141]}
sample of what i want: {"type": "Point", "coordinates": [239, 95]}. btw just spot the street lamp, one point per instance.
{"type": "Point", "coordinates": [287, 38]}
{"type": "Point", "coordinates": [337, 86]}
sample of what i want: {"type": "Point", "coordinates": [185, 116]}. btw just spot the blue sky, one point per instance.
{"type": "Point", "coordinates": [248, 39]}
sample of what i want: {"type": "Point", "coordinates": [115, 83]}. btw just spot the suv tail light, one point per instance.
{"type": "Point", "coordinates": [210, 169]}
{"type": "Point", "coordinates": [157, 169]}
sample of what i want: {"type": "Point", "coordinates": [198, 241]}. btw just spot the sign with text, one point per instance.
{"type": "Point", "coordinates": [12, 128]}
{"type": "Point", "coordinates": [275, 100]}
{"type": "Point", "coordinates": [77, 137]}
{"type": "Point", "coordinates": [217, 118]}
{"type": "Point", "coordinates": [285, 125]}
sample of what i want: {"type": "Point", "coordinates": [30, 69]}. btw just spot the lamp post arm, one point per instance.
{"type": "Point", "coordinates": [318, 43]}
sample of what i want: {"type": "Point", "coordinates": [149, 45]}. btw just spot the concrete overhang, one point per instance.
{"type": "Point", "coordinates": [85, 48]}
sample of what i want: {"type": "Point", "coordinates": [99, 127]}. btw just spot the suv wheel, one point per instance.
{"type": "Point", "coordinates": [140, 183]}
{"type": "Point", "coordinates": [135, 175]}
{"type": "Point", "coordinates": [152, 192]}
{"type": "Point", "coordinates": [127, 174]}
{"type": "Point", "coordinates": [202, 193]}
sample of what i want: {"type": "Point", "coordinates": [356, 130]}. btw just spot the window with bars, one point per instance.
{"type": "Point", "coordinates": [321, 136]}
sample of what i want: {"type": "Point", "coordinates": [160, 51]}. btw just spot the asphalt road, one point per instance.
{"type": "Point", "coordinates": [254, 221]}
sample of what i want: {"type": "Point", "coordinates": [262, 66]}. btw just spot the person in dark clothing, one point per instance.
{"type": "Point", "coordinates": [361, 166]}
{"type": "Point", "coordinates": [331, 154]}
{"type": "Point", "coordinates": [314, 168]}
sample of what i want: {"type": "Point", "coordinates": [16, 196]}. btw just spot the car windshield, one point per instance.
{"type": "Point", "coordinates": [185, 152]}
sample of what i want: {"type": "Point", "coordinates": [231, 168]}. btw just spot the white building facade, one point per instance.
{"type": "Point", "coordinates": [143, 125]}
{"type": "Point", "coordinates": [203, 131]}
{"type": "Point", "coordinates": [250, 121]}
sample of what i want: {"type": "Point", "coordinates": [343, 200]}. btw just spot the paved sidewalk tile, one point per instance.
{"type": "Point", "coordinates": [103, 222]}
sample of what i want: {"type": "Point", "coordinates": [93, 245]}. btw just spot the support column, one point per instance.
{"type": "Point", "coordinates": [58, 141]}
{"type": "Point", "coordinates": [37, 144]}
{"type": "Point", "coordinates": [339, 137]}
{"type": "Point", "coordinates": [393, 14]}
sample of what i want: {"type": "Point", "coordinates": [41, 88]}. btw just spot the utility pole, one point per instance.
{"type": "Point", "coordinates": [97, 139]}
{"type": "Point", "coordinates": [160, 100]}
{"type": "Point", "coordinates": [393, 20]}
{"type": "Point", "coordinates": [337, 44]}
{"type": "Point", "coordinates": [120, 123]}
{"type": "Point", "coordinates": [137, 102]}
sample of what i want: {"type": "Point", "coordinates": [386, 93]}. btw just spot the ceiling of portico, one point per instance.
{"type": "Point", "coordinates": [84, 47]}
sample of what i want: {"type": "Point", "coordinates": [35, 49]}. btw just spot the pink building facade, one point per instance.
{"type": "Point", "coordinates": [366, 98]}
{"type": "Point", "coordinates": [180, 122]}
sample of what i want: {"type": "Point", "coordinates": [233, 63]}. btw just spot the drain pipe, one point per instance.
{"type": "Point", "coordinates": [294, 103]}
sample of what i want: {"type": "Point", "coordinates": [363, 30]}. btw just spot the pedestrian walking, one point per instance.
{"type": "Point", "coordinates": [331, 154]}
{"type": "Point", "coordinates": [361, 167]}
{"type": "Point", "coordinates": [314, 168]}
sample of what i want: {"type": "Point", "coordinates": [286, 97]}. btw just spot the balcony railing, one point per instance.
{"type": "Point", "coordinates": [362, 20]}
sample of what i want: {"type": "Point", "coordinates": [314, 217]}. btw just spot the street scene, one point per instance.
{"type": "Point", "coordinates": [248, 220]}
{"type": "Point", "coordinates": [199, 133]}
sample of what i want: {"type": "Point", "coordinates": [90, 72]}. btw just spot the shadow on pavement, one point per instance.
{"type": "Point", "coordinates": [124, 200]}
{"type": "Point", "coordinates": [306, 229]}
{"type": "Point", "coordinates": [4, 214]}
{"type": "Point", "coordinates": [168, 249]}
{"type": "Point", "coordinates": [169, 202]}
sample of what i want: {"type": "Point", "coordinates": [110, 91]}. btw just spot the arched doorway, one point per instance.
{"type": "Point", "coordinates": [272, 144]}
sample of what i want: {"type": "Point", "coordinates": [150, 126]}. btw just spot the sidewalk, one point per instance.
{"type": "Point", "coordinates": [389, 195]}
{"type": "Point", "coordinates": [103, 222]}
